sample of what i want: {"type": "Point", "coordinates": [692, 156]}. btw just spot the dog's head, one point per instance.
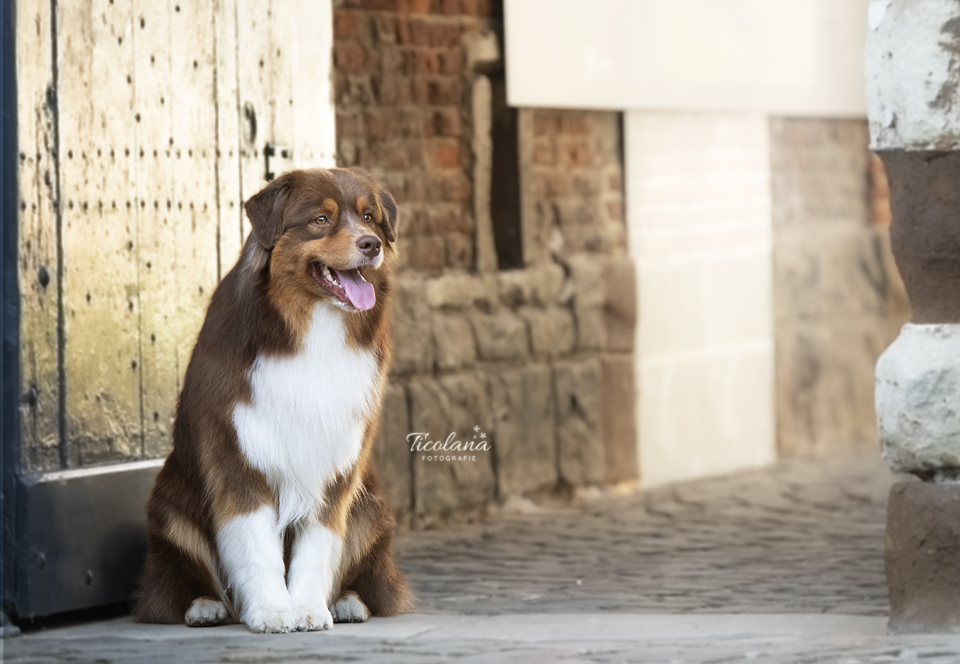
{"type": "Point", "coordinates": [323, 233]}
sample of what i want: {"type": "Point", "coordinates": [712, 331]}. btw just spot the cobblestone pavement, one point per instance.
{"type": "Point", "coordinates": [778, 565]}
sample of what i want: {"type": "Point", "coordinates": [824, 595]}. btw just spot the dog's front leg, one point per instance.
{"type": "Point", "coordinates": [251, 556]}
{"type": "Point", "coordinates": [314, 565]}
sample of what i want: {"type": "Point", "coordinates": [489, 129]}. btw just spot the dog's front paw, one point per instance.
{"type": "Point", "coordinates": [313, 618]}
{"type": "Point", "coordinates": [271, 619]}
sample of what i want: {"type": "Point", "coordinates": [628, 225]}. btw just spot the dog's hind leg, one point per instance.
{"type": "Point", "coordinates": [368, 554]}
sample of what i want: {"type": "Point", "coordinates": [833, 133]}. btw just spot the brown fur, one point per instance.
{"type": "Point", "coordinates": [262, 307]}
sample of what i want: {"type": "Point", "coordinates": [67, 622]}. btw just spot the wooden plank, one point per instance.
{"type": "Point", "coordinates": [194, 136]}
{"type": "Point", "coordinates": [255, 75]}
{"type": "Point", "coordinates": [99, 206]}
{"type": "Point", "coordinates": [38, 257]}
{"type": "Point", "coordinates": [157, 259]}
{"type": "Point", "coordinates": [229, 197]}
{"type": "Point", "coordinates": [284, 70]}
{"type": "Point", "coordinates": [307, 35]}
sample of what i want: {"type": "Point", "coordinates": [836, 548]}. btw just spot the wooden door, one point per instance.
{"type": "Point", "coordinates": [142, 127]}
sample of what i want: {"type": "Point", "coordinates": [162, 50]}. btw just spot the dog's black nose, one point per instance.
{"type": "Point", "coordinates": [369, 245]}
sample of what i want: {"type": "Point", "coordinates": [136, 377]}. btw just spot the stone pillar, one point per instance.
{"type": "Point", "coordinates": [913, 97]}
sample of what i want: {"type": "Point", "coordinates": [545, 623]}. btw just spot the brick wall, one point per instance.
{"type": "Point", "coordinates": [401, 95]}
{"type": "Point", "coordinates": [838, 298]}
{"type": "Point", "coordinates": [539, 357]}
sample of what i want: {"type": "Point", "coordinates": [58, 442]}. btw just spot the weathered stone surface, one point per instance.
{"type": "Point", "coordinates": [619, 424]}
{"type": "Point", "coordinates": [501, 336]}
{"type": "Point", "coordinates": [824, 392]}
{"type": "Point", "coordinates": [922, 548]}
{"type": "Point", "coordinates": [524, 413]}
{"type": "Point", "coordinates": [588, 300]}
{"type": "Point", "coordinates": [460, 290]}
{"type": "Point", "coordinates": [620, 304]}
{"type": "Point", "coordinates": [539, 285]}
{"type": "Point", "coordinates": [911, 76]}
{"type": "Point", "coordinates": [412, 338]}
{"type": "Point", "coordinates": [444, 488]}
{"type": "Point", "coordinates": [552, 331]}
{"type": "Point", "coordinates": [455, 345]}
{"type": "Point", "coordinates": [391, 452]}
{"type": "Point", "coordinates": [918, 401]}
{"type": "Point", "coordinates": [577, 386]}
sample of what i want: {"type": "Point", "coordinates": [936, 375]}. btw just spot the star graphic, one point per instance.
{"type": "Point", "coordinates": [476, 428]}
{"type": "Point", "coordinates": [483, 435]}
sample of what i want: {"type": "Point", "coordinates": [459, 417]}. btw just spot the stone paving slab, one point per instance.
{"type": "Point", "coordinates": [778, 565]}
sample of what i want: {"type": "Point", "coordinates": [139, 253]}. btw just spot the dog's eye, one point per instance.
{"type": "Point", "coordinates": [368, 217]}
{"type": "Point", "coordinates": [322, 220]}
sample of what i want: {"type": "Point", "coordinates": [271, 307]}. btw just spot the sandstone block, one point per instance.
{"type": "Point", "coordinates": [444, 488]}
{"type": "Point", "coordinates": [455, 344]}
{"type": "Point", "coordinates": [618, 424]}
{"type": "Point", "coordinates": [577, 389]}
{"type": "Point", "coordinates": [588, 301]}
{"type": "Point", "coordinates": [461, 290]}
{"type": "Point", "coordinates": [412, 338]}
{"type": "Point", "coordinates": [501, 336]}
{"type": "Point", "coordinates": [620, 303]}
{"type": "Point", "coordinates": [391, 452]}
{"type": "Point", "coordinates": [923, 577]}
{"type": "Point", "coordinates": [552, 331]}
{"type": "Point", "coordinates": [918, 401]}
{"type": "Point", "coordinates": [524, 415]}
{"type": "Point", "coordinates": [540, 286]}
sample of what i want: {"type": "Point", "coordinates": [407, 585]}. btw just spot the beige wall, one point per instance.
{"type": "Point", "coordinates": [698, 191]}
{"type": "Point", "coordinates": [786, 57]}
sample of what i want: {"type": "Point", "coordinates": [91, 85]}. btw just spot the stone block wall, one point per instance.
{"type": "Point", "coordinates": [838, 299]}
{"type": "Point", "coordinates": [538, 358]}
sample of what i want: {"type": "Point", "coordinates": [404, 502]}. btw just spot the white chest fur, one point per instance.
{"type": "Point", "coordinates": [307, 415]}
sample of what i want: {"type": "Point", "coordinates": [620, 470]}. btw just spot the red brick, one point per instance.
{"type": "Point", "coordinates": [402, 31]}
{"type": "Point", "coordinates": [418, 62]}
{"type": "Point", "coordinates": [545, 155]}
{"type": "Point", "coordinates": [445, 35]}
{"type": "Point", "coordinates": [615, 183]}
{"type": "Point", "coordinates": [393, 90]}
{"type": "Point", "coordinates": [350, 125]}
{"type": "Point", "coordinates": [444, 155]}
{"type": "Point", "coordinates": [545, 124]}
{"type": "Point", "coordinates": [380, 5]}
{"type": "Point", "coordinates": [349, 25]}
{"type": "Point", "coordinates": [456, 188]}
{"type": "Point", "coordinates": [385, 28]}
{"type": "Point", "coordinates": [415, 6]}
{"type": "Point", "coordinates": [451, 62]}
{"type": "Point", "coordinates": [575, 124]}
{"type": "Point", "coordinates": [445, 219]}
{"type": "Point", "coordinates": [451, 7]}
{"type": "Point", "coordinates": [349, 58]}
{"type": "Point", "coordinates": [421, 91]}
{"type": "Point", "coordinates": [420, 32]}
{"type": "Point", "coordinates": [391, 60]}
{"type": "Point", "coordinates": [445, 91]}
{"type": "Point", "coordinates": [447, 122]}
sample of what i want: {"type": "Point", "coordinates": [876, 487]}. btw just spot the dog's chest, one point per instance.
{"type": "Point", "coordinates": [307, 415]}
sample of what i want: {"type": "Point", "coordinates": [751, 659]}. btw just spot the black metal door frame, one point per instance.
{"type": "Point", "coordinates": [10, 358]}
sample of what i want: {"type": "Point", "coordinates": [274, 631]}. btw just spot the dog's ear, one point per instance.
{"type": "Point", "coordinates": [265, 211]}
{"type": "Point", "coordinates": [389, 215]}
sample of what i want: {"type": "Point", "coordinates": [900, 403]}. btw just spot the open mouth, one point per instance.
{"type": "Point", "coordinates": [346, 286]}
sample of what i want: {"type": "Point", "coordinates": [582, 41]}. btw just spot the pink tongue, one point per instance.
{"type": "Point", "coordinates": [359, 290]}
